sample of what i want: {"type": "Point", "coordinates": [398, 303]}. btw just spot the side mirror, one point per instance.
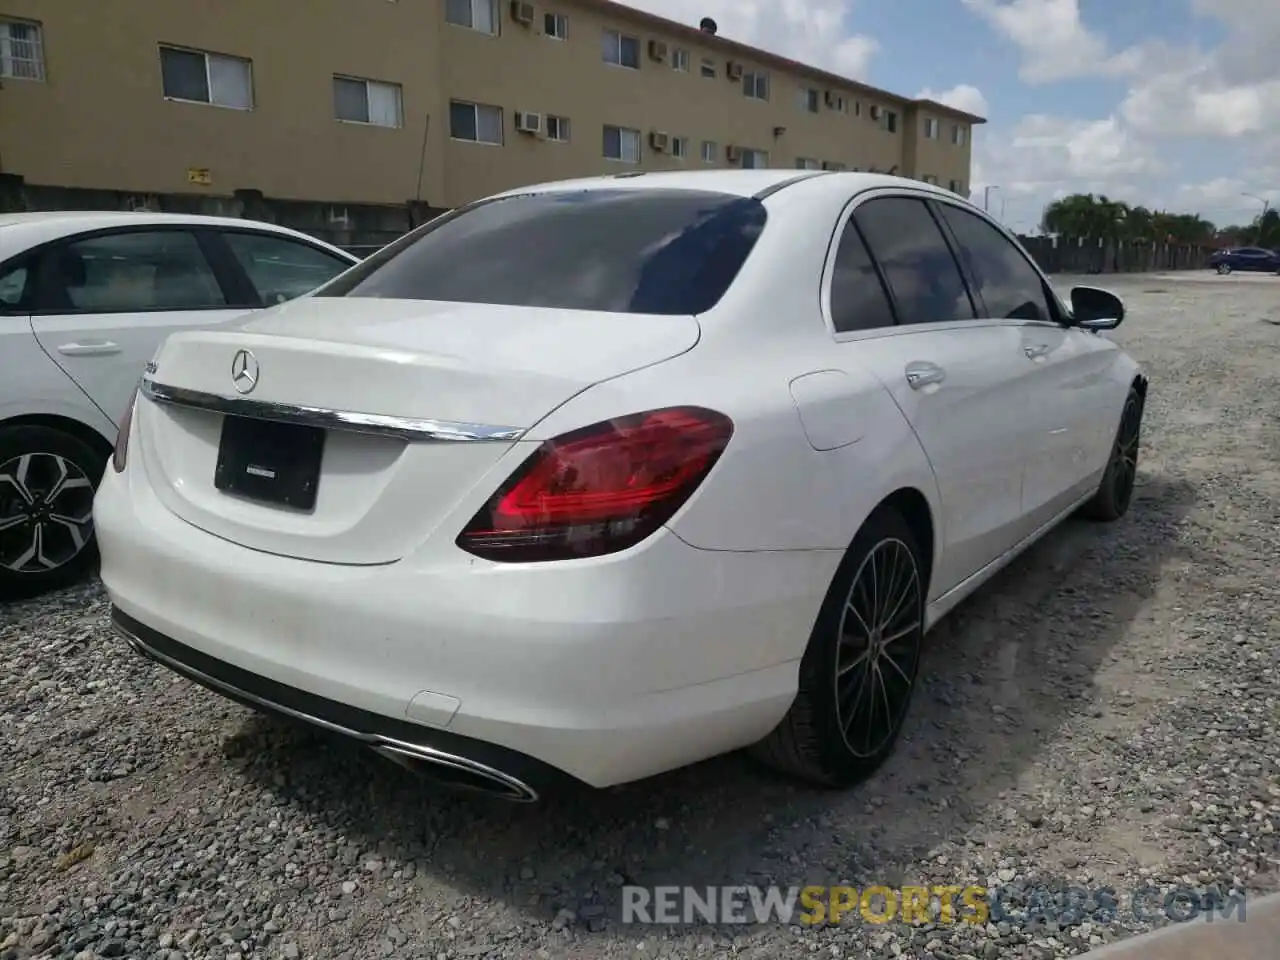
{"type": "Point", "coordinates": [1095, 309]}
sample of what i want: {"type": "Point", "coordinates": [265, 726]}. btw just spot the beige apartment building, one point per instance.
{"type": "Point", "coordinates": [440, 101]}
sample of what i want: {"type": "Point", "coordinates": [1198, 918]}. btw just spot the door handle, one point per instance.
{"type": "Point", "coordinates": [1037, 352]}
{"type": "Point", "coordinates": [93, 348]}
{"type": "Point", "coordinates": [921, 373]}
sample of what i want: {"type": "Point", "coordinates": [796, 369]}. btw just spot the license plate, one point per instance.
{"type": "Point", "coordinates": [271, 462]}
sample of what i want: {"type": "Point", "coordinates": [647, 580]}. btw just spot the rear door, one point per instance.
{"type": "Point", "coordinates": [900, 307]}
{"type": "Point", "coordinates": [1063, 371]}
{"type": "Point", "coordinates": [104, 302]}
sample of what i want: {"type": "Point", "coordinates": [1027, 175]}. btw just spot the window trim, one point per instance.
{"type": "Point", "coordinates": [208, 79]}
{"type": "Point", "coordinates": [755, 86]}
{"type": "Point", "coordinates": [876, 193]}
{"type": "Point", "coordinates": [622, 130]}
{"type": "Point", "coordinates": [39, 61]}
{"type": "Point", "coordinates": [676, 54]}
{"type": "Point", "coordinates": [621, 36]}
{"type": "Point", "coordinates": [399, 88]}
{"type": "Point", "coordinates": [715, 151]}
{"type": "Point", "coordinates": [502, 124]}
{"type": "Point", "coordinates": [706, 63]}
{"type": "Point", "coordinates": [558, 19]}
{"type": "Point", "coordinates": [496, 7]}
{"type": "Point", "coordinates": [563, 125]}
{"type": "Point", "coordinates": [683, 154]}
{"type": "Point", "coordinates": [931, 123]}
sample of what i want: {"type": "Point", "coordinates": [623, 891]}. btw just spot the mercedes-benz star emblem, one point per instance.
{"type": "Point", "coordinates": [244, 371]}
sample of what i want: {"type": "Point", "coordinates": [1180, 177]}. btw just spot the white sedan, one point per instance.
{"type": "Point", "coordinates": [85, 301]}
{"type": "Point", "coordinates": [595, 479]}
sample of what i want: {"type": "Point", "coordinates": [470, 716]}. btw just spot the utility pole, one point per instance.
{"type": "Point", "coordinates": [986, 197]}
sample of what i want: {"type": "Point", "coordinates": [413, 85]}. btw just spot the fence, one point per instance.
{"type": "Point", "coordinates": [1075, 255]}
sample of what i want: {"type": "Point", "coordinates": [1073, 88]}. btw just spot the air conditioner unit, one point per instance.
{"type": "Point", "coordinates": [657, 50]}
{"type": "Point", "coordinates": [527, 122]}
{"type": "Point", "coordinates": [876, 112]}
{"type": "Point", "coordinates": [733, 71]}
{"type": "Point", "coordinates": [522, 12]}
{"type": "Point", "coordinates": [659, 141]}
{"type": "Point", "coordinates": [733, 154]}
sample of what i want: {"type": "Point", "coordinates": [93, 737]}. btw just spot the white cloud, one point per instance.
{"type": "Point", "coordinates": [962, 97]}
{"type": "Point", "coordinates": [811, 31]}
{"type": "Point", "coordinates": [1051, 37]}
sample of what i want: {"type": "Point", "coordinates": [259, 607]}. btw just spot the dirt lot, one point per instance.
{"type": "Point", "coordinates": [1105, 713]}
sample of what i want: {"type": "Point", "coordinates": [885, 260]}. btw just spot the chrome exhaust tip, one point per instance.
{"type": "Point", "coordinates": [456, 772]}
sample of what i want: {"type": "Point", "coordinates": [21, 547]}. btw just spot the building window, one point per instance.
{"type": "Point", "coordinates": [806, 163]}
{"type": "Point", "coordinates": [680, 60]}
{"type": "Point", "coordinates": [680, 147]}
{"type": "Point", "coordinates": [857, 108]}
{"type": "Point", "coordinates": [558, 129]}
{"type": "Point", "coordinates": [622, 144]}
{"type": "Point", "coordinates": [930, 178]}
{"type": "Point", "coordinates": [212, 78]}
{"type": "Point", "coordinates": [620, 50]}
{"type": "Point", "coordinates": [754, 159]}
{"type": "Point", "coordinates": [708, 69]}
{"type": "Point", "coordinates": [478, 15]}
{"type": "Point", "coordinates": [755, 85]}
{"type": "Point", "coordinates": [958, 135]}
{"type": "Point", "coordinates": [21, 50]}
{"type": "Point", "coordinates": [956, 186]}
{"type": "Point", "coordinates": [709, 151]}
{"type": "Point", "coordinates": [367, 101]}
{"type": "Point", "coordinates": [836, 167]}
{"type": "Point", "coordinates": [809, 99]}
{"type": "Point", "coordinates": [891, 121]}
{"type": "Point", "coordinates": [930, 128]}
{"type": "Point", "coordinates": [475, 122]}
{"type": "Point", "coordinates": [556, 25]}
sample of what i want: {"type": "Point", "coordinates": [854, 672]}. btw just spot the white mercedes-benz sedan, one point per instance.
{"type": "Point", "coordinates": [86, 298]}
{"type": "Point", "coordinates": [591, 480]}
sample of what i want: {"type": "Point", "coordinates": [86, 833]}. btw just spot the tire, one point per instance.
{"type": "Point", "coordinates": [1115, 492]}
{"type": "Point", "coordinates": [47, 482]}
{"type": "Point", "coordinates": [1224, 269]}
{"type": "Point", "coordinates": [813, 742]}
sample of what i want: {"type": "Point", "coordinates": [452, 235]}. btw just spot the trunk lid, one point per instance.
{"type": "Point", "coordinates": [378, 496]}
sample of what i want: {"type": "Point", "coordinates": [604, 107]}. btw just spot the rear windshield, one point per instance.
{"type": "Point", "coordinates": [624, 251]}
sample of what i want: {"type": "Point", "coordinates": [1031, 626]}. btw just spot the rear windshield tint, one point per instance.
{"type": "Point", "coordinates": [624, 251]}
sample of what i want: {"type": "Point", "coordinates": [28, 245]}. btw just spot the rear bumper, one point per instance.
{"type": "Point", "coordinates": [605, 671]}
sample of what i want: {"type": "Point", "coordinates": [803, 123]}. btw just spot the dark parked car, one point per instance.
{"type": "Point", "coordinates": [1246, 258]}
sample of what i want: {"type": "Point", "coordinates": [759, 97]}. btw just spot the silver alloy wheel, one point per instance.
{"type": "Point", "coordinates": [46, 512]}
{"type": "Point", "coordinates": [878, 646]}
{"type": "Point", "coordinates": [1224, 268]}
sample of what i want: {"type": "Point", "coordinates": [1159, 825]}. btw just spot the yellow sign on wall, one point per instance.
{"type": "Point", "coordinates": [200, 175]}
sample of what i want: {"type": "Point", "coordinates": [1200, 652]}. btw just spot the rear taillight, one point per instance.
{"type": "Point", "coordinates": [120, 456]}
{"type": "Point", "coordinates": [600, 489]}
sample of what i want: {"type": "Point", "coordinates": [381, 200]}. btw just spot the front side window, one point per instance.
{"type": "Point", "coordinates": [138, 270]}
{"type": "Point", "coordinates": [367, 101]}
{"type": "Point", "coordinates": [648, 251]}
{"type": "Point", "coordinates": [478, 15]}
{"type": "Point", "coordinates": [476, 122]}
{"type": "Point", "coordinates": [1003, 279]}
{"type": "Point", "coordinates": [622, 143]}
{"type": "Point", "coordinates": [280, 268]}
{"type": "Point", "coordinates": [211, 78]}
{"type": "Point", "coordinates": [620, 50]}
{"type": "Point", "coordinates": [921, 272]}
{"type": "Point", "coordinates": [858, 298]}
{"type": "Point", "coordinates": [21, 50]}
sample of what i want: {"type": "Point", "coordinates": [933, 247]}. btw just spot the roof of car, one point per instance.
{"type": "Point", "coordinates": [20, 230]}
{"type": "Point", "coordinates": [744, 183]}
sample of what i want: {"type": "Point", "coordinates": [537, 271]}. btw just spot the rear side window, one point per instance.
{"type": "Point", "coordinates": [917, 263]}
{"type": "Point", "coordinates": [280, 268]}
{"type": "Point", "coordinates": [1003, 280]}
{"type": "Point", "coordinates": [623, 251]}
{"type": "Point", "coordinates": [858, 300]}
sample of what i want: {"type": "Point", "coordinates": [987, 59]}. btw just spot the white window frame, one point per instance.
{"type": "Point", "coordinates": [495, 13]}
{"type": "Point", "coordinates": [889, 120]}
{"type": "Point", "coordinates": [477, 107]}
{"type": "Point", "coordinates": [680, 59]}
{"type": "Point", "coordinates": [399, 92]}
{"type": "Point", "coordinates": [623, 133]}
{"type": "Point", "coordinates": [808, 163]}
{"type": "Point", "coordinates": [710, 151]}
{"type": "Point", "coordinates": [680, 148]}
{"type": "Point", "coordinates": [808, 95]}
{"type": "Point", "coordinates": [209, 56]}
{"type": "Point", "coordinates": [958, 135]}
{"type": "Point", "coordinates": [559, 25]}
{"type": "Point", "coordinates": [706, 65]}
{"type": "Point", "coordinates": [618, 36]}
{"type": "Point", "coordinates": [750, 152]}
{"type": "Point", "coordinates": [931, 128]}
{"type": "Point", "coordinates": [7, 45]}
{"type": "Point", "coordinates": [563, 129]}
{"type": "Point", "coordinates": [756, 78]}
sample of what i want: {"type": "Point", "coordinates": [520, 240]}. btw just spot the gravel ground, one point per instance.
{"type": "Point", "coordinates": [1100, 715]}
